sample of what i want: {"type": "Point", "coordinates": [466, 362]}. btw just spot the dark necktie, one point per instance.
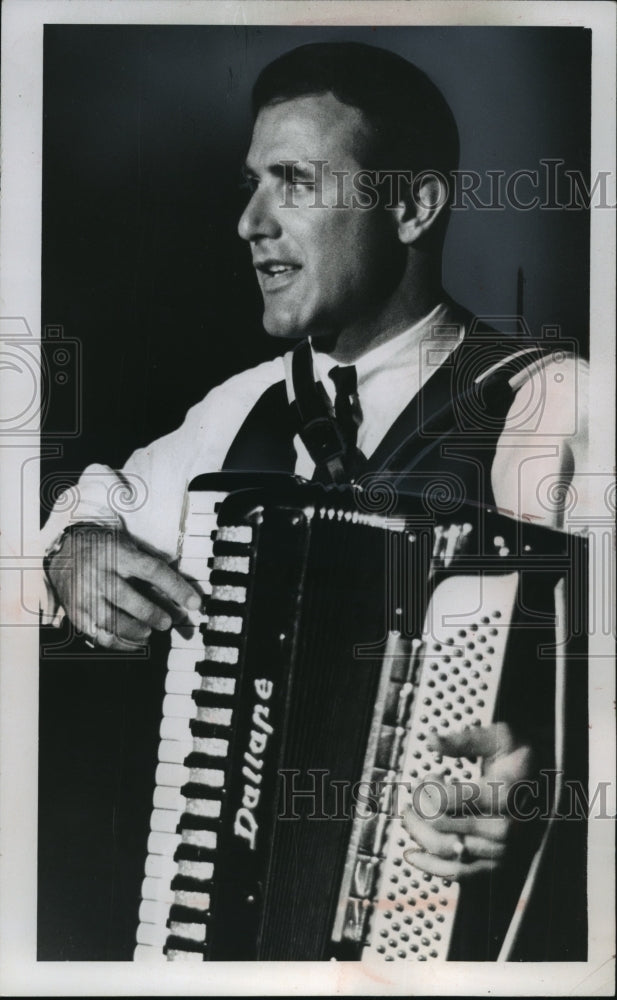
{"type": "Point", "coordinates": [348, 414]}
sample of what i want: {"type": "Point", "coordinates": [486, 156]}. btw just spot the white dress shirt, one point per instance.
{"type": "Point", "coordinates": [389, 376]}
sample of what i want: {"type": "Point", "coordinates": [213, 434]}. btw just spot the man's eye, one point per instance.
{"type": "Point", "coordinates": [248, 184]}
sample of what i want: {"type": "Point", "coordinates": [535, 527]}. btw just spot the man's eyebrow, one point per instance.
{"type": "Point", "coordinates": [285, 169]}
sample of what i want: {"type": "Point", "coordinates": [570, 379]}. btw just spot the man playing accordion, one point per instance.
{"type": "Point", "coordinates": [348, 202]}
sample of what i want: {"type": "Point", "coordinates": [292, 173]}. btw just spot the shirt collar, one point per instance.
{"type": "Point", "coordinates": [397, 353]}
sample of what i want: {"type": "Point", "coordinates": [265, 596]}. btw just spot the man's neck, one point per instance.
{"type": "Point", "coordinates": [415, 297]}
{"type": "Point", "coordinates": [349, 346]}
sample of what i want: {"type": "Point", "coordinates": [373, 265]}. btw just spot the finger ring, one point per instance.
{"type": "Point", "coordinates": [460, 850]}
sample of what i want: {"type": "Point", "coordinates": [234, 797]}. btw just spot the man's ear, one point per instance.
{"type": "Point", "coordinates": [420, 204]}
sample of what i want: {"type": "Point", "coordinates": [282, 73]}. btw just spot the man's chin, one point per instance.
{"type": "Point", "coordinates": [293, 328]}
{"type": "Point", "coordinates": [285, 329]}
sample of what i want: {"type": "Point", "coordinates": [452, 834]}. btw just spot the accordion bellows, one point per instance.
{"type": "Point", "coordinates": [335, 639]}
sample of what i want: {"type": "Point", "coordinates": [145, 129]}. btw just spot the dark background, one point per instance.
{"type": "Point", "coordinates": [145, 130]}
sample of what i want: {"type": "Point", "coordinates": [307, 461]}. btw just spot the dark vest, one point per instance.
{"type": "Point", "coordinates": [442, 445]}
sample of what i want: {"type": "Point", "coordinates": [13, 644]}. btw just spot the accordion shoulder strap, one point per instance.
{"type": "Point", "coordinates": [318, 428]}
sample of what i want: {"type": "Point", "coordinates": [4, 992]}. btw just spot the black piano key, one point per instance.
{"type": "Point", "coordinates": [175, 943]}
{"type": "Point", "coordinates": [188, 915]}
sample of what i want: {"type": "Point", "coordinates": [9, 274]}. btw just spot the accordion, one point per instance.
{"type": "Point", "coordinates": [341, 628]}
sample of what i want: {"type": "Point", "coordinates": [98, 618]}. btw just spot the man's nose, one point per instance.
{"type": "Point", "coordinates": [259, 218]}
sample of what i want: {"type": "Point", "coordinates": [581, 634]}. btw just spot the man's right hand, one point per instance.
{"type": "Point", "coordinates": [114, 591]}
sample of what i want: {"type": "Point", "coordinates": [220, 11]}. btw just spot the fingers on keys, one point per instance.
{"type": "Point", "coordinates": [112, 605]}
{"type": "Point", "coordinates": [166, 580]}
{"type": "Point", "coordinates": [471, 741]}
{"type": "Point", "coordinates": [454, 852]}
{"type": "Point", "coordinates": [111, 628]}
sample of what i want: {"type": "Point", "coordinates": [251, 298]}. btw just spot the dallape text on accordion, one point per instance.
{"type": "Point", "coordinates": [245, 823]}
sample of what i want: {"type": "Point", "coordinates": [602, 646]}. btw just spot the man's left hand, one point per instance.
{"type": "Point", "coordinates": [468, 834]}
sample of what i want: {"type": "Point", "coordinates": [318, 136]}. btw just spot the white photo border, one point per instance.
{"type": "Point", "coordinates": [20, 292]}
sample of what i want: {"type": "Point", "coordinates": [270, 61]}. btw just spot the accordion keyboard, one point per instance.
{"type": "Point", "coordinates": [186, 759]}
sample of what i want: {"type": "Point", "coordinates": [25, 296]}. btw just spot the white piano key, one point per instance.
{"type": "Point", "coordinates": [196, 568]}
{"type": "Point", "coordinates": [210, 808]}
{"type": "Point", "coordinates": [211, 745]}
{"type": "Point", "coordinates": [207, 776]}
{"type": "Point", "coordinates": [179, 706]}
{"type": "Point", "coordinates": [174, 751]}
{"type": "Point", "coordinates": [194, 900]}
{"type": "Point", "coordinates": [201, 871]}
{"type": "Point", "coordinates": [152, 934]}
{"type": "Point", "coordinates": [196, 547]}
{"type": "Point", "coordinates": [189, 639]}
{"type": "Point", "coordinates": [148, 953]}
{"type": "Point", "coordinates": [221, 654]}
{"type": "Point", "coordinates": [163, 843]}
{"type": "Point", "coordinates": [158, 866]}
{"type": "Point", "coordinates": [200, 838]}
{"type": "Point", "coordinates": [175, 728]}
{"type": "Point", "coordinates": [196, 551]}
{"type": "Point", "coordinates": [193, 932]}
{"type": "Point", "coordinates": [240, 533]}
{"type": "Point", "coordinates": [181, 682]}
{"type": "Point", "coordinates": [175, 775]}
{"type": "Point", "coordinates": [154, 911]}
{"type": "Point", "coordinates": [183, 660]}
{"type": "Point", "coordinates": [164, 820]}
{"type": "Point", "coordinates": [232, 564]}
{"type": "Point", "coordinates": [166, 797]}
{"type": "Point", "coordinates": [157, 889]}
{"type": "Point", "coordinates": [198, 539]}
{"type": "Point", "coordinates": [214, 715]}
{"type": "Point", "coordinates": [219, 685]}
{"type": "Point", "coordinates": [227, 592]}
{"type": "Point", "coordinates": [195, 617]}
{"type": "Point", "coordinates": [203, 502]}
{"type": "Point", "coordinates": [178, 955]}
{"type": "Point", "coordinates": [225, 623]}
{"type": "Point", "coordinates": [201, 526]}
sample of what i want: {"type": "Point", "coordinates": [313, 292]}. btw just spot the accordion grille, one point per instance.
{"type": "Point", "coordinates": [403, 912]}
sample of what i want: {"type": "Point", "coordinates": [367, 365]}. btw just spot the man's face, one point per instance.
{"type": "Point", "coordinates": [321, 269]}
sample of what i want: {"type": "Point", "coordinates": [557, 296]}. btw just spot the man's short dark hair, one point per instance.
{"type": "Point", "coordinates": [412, 125]}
